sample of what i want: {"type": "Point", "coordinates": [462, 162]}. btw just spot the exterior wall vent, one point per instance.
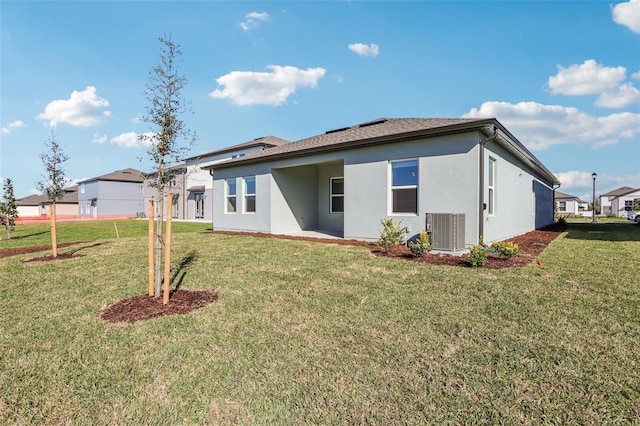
{"type": "Point", "coordinates": [446, 231]}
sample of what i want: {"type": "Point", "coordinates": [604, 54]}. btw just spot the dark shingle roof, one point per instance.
{"type": "Point", "coordinates": [124, 175]}
{"type": "Point", "coordinates": [70, 197]}
{"type": "Point", "coordinates": [380, 130]}
{"type": "Point", "coordinates": [560, 195]}
{"type": "Point", "coordinates": [620, 191]}
{"type": "Point", "coordinates": [389, 130]}
{"type": "Point", "coordinates": [266, 141]}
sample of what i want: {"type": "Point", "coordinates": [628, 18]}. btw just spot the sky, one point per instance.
{"type": "Point", "coordinates": [562, 76]}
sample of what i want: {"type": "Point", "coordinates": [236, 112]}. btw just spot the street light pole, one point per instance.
{"type": "Point", "coordinates": [594, 175]}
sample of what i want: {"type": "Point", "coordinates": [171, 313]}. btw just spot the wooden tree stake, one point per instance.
{"type": "Point", "coordinates": [167, 251]}
{"type": "Point", "coordinates": [54, 237]}
{"type": "Point", "coordinates": [151, 242]}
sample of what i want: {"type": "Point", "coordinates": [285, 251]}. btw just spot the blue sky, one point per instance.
{"type": "Point", "coordinates": [562, 76]}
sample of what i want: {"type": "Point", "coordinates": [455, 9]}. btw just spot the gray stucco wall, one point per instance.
{"type": "Point", "coordinates": [293, 194]}
{"type": "Point", "coordinates": [522, 202]}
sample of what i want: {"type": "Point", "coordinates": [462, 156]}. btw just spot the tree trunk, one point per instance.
{"type": "Point", "coordinates": [159, 248]}
{"type": "Point", "coordinates": [151, 248]}
{"type": "Point", "coordinates": [167, 252]}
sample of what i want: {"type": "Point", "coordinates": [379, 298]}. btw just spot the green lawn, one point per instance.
{"type": "Point", "coordinates": [311, 333]}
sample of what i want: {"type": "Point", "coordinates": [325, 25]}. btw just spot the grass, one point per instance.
{"type": "Point", "coordinates": [310, 333]}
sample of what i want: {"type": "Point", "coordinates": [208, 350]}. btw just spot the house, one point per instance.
{"type": "Point", "coordinates": [192, 186]}
{"type": "Point", "coordinates": [471, 172]}
{"type": "Point", "coordinates": [115, 194]}
{"type": "Point", "coordinates": [198, 180]}
{"type": "Point", "coordinates": [34, 206]}
{"type": "Point", "coordinates": [625, 202]}
{"type": "Point", "coordinates": [177, 187]}
{"type": "Point", "coordinates": [568, 204]}
{"type": "Point", "coordinates": [605, 199]}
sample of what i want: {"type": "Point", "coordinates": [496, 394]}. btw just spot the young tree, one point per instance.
{"type": "Point", "coordinates": [53, 182]}
{"type": "Point", "coordinates": [8, 208]}
{"type": "Point", "coordinates": [169, 139]}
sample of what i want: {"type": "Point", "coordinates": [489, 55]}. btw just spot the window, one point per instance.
{"type": "Point", "coordinates": [230, 206]}
{"type": "Point", "coordinates": [174, 207]}
{"type": "Point", "coordinates": [562, 206]}
{"type": "Point", "coordinates": [628, 204]}
{"type": "Point", "coordinates": [337, 195]}
{"type": "Point", "coordinates": [491, 173]}
{"type": "Point", "coordinates": [82, 188]}
{"type": "Point", "coordinates": [404, 186]}
{"type": "Point", "coordinates": [250, 194]}
{"type": "Point", "coordinates": [199, 197]}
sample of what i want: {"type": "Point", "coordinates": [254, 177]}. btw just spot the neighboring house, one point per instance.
{"type": "Point", "coordinates": [115, 194]}
{"type": "Point", "coordinates": [38, 205]}
{"type": "Point", "coordinates": [345, 181]}
{"type": "Point", "coordinates": [605, 199]}
{"type": "Point", "coordinates": [567, 204]}
{"type": "Point", "coordinates": [29, 206]}
{"type": "Point", "coordinates": [177, 188]}
{"type": "Point", "coordinates": [624, 202]}
{"type": "Point", "coordinates": [198, 181]}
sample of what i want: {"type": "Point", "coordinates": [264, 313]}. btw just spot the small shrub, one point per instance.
{"type": "Point", "coordinates": [392, 234]}
{"type": "Point", "coordinates": [561, 220]}
{"type": "Point", "coordinates": [506, 248]}
{"type": "Point", "coordinates": [420, 246]}
{"type": "Point", "coordinates": [477, 255]}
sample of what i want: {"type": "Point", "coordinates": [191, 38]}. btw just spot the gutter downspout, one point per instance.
{"type": "Point", "coordinates": [212, 197]}
{"type": "Point", "coordinates": [481, 203]}
{"type": "Point", "coordinates": [553, 204]}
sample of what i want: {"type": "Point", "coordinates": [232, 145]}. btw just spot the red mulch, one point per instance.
{"type": "Point", "coordinates": [531, 245]}
{"type": "Point", "coordinates": [8, 252]}
{"type": "Point", "coordinates": [144, 307]}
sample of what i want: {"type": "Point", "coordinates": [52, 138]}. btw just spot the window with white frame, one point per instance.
{"type": "Point", "coordinates": [175, 213]}
{"type": "Point", "coordinates": [628, 204]}
{"type": "Point", "coordinates": [404, 186]}
{"type": "Point", "coordinates": [230, 195]}
{"type": "Point", "coordinates": [491, 185]}
{"type": "Point", "coordinates": [250, 194]}
{"type": "Point", "coordinates": [337, 195]}
{"type": "Point", "coordinates": [562, 206]}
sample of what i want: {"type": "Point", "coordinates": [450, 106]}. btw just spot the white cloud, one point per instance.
{"type": "Point", "coordinates": [12, 126]}
{"type": "Point", "coordinates": [98, 138]}
{"type": "Point", "coordinates": [636, 75]}
{"type": "Point", "coordinates": [82, 109]}
{"type": "Point", "coordinates": [627, 14]}
{"type": "Point", "coordinates": [589, 78]}
{"type": "Point", "coordinates": [620, 97]}
{"type": "Point", "coordinates": [132, 140]}
{"type": "Point", "coordinates": [365, 50]}
{"type": "Point", "coordinates": [253, 20]}
{"type": "Point", "coordinates": [265, 88]}
{"type": "Point", "coordinates": [540, 126]}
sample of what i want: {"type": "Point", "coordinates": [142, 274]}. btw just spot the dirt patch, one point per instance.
{"type": "Point", "coordinates": [49, 258]}
{"type": "Point", "coordinates": [144, 307]}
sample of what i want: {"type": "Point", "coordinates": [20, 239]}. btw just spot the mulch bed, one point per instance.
{"type": "Point", "coordinates": [8, 252]}
{"type": "Point", "coordinates": [531, 245]}
{"type": "Point", "coordinates": [144, 307]}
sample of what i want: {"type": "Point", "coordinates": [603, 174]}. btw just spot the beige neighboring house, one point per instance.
{"type": "Point", "coordinates": [38, 205]}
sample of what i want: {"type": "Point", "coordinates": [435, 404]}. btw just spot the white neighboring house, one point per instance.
{"type": "Point", "coordinates": [197, 185]}
{"type": "Point", "coordinates": [623, 203]}
{"type": "Point", "coordinates": [568, 204]}
{"type": "Point", "coordinates": [605, 199]}
{"type": "Point", "coordinates": [38, 205]}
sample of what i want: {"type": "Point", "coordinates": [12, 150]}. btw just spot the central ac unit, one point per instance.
{"type": "Point", "coordinates": [446, 231]}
